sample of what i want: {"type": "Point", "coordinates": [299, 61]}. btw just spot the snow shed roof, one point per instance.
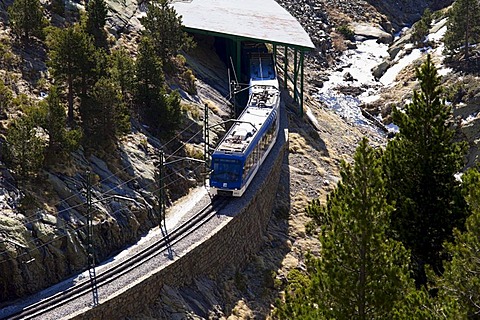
{"type": "Point", "coordinates": [263, 20]}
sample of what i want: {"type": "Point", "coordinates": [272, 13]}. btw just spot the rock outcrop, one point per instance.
{"type": "Point", "coordinates": [365, 31]}
{"type": "Point", "coordinates": [405, 13]}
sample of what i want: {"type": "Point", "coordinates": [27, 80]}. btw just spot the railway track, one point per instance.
{"type": "Point", "coordinates": [109, 275]}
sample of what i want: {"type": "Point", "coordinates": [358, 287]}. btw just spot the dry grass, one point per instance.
{"type": "Point", "coordinates": [192, 110]}
{"type": "Point", "coordinates": [338, 41]}
{"type": "Point", "coordinates": [193, 151]}
{"type": "Point", "coordinates": [297, 143]}
{"type": "Point", "coordinates": [213, 107]}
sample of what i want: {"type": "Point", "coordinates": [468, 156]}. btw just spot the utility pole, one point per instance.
{"type": "Point", "coordinates": [90, 250]}
{"type": "Point", "coordinates": [206, 145]}
{"type": "Point", "coordinates": [161, 182]}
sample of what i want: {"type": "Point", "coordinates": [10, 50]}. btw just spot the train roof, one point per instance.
{"type": "Point", "coordinates": [262, 102]}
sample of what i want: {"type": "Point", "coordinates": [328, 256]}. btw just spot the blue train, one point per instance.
{"type": "Point", "coordinates": [242, 151]}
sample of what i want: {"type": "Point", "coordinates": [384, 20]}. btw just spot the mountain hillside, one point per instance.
{"type": "Point", "coordinates": [42, 236]}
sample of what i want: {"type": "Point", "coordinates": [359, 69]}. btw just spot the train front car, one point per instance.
{"type": "Point", "coordinates": [242, 151]}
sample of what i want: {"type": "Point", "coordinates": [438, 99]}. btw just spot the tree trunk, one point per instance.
{"type": "Point", "coordinates": [70, 100]}
{"type": "Point", "coordinates": [467, 35]}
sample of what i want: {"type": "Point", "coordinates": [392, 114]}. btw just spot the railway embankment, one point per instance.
{"type": "Point", "coordinates": [232, 239]}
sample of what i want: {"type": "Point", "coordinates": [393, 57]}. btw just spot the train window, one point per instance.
{"type": "Point", "coordinates": [226, 170]}
{"type": "Point", "coordinates": [248, 165]}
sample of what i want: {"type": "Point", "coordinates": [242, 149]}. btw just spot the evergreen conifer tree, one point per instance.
{"type": "Point", "coordinates": [420, 164]}
{"type": "Point", "coordinates": [163, 26]}
{"type": "Point", "coordinates": [24, 149]}
{"type": "Point", "coordinates": [122, 72]}
{"type": "Point", "coordinates": [159, 110]}
{"type": "Point", "coordinates": [104, 115]}
{"type": "Point", "coordinates": [27, 19]}
{"type": "Point", "coordinates": [149, 84]}
{"type": "Point", "coordinates": [463, 28]}
{"type": "Point", "coordinates": [361, 274]}
{"type": "Point", "coordinates": [54, 120]}
{"type": "Point", "coordinates": [422, 27]}
{"type": "Point", "coordinates": [72, 59]}
{"type": "Point", "coordinates": [95, 22]}
{"type": "Point", "coordinates": [460, 284]}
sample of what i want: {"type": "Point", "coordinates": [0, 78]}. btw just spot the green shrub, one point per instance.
{"type": "Point", "coordinates": [347, 32]}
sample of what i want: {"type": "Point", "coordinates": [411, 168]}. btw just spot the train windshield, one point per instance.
{"type": "Point", "coordinates": [226, 170]}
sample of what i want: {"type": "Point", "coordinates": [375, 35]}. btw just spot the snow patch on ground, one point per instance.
{"type": "Point", "coordinates": [388, 79]}
{"type": "Point", "coordinates": [312, 117]}
{"type": "Point", "coordinates": [359, 63]}
{"type": "Point", "coordinates": [392, 128]}
{"type": "Point", "coordinates": [345, 105]}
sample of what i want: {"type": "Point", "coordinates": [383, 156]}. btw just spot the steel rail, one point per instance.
{"type": "Point", "coordinates": [130, 263]}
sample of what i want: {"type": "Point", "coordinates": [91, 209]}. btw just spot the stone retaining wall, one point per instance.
{"type": "Point", "coordinates": [232, 243]}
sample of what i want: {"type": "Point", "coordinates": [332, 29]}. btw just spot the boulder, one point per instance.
{"type": "Point", "coordinates": [347, 76]}
{"type": "Point", "coordinates": [400, 44]}
{"type": "Point", "coordinates": [351, 45]}
{"type": "Point", "coordinates": [369, 31]}
{"type": "Point", "coordinates": [123, 16]}
{"type": "Point", "coordinates": [380, 69]}
{"type": "Point", "coordinates": [393, 51]}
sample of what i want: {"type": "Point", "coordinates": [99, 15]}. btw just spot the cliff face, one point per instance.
{"type": "Point", "coordinates": [406, 12]}
{"type": "Point", "coordinates": [41, 246]}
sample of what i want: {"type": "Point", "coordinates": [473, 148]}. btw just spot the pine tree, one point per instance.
{"type": "Point", "coordinates": [361, 274]}
{"type": "Point", "coordinates": [422, 28]}
{"type": "Point", "coordinates": [104, 115]}
{"type": "Point", "coordinates": [173, 112]}
{"type": "Point", "coordinates": [54, 120]}
{"type": "Point", "coordinates": [149, 86]}
{"type": "Point", "coordinates": [463, 28]}
{"type": "Point", "coordinates": [163, 26]}
{"type": "Point", "coordinates": [420, 164]}
{"type": "Point", "coordinates": [95, 22]}
{"type": "Point", "coordinates": [122, 72]}
{"type": "Point", "coordinates": [26, 18]}
{"type": "Point", "coordinates": [24, 149]}
{"type": "Point", "coordinates": [460, 284]}
{"type": "Point", "coordinates": [159, 110]}
{"type": "Point", "coordinates": [72, 59]}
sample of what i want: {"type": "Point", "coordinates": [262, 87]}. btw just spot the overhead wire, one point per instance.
{"type": "Point", "coordinates": [78, 194]}
{"type": "Point", "coordinates": [28, 249]}
{"type": "Point", "coordinates": [59, 237]}
{"type": "Point", "coordinates": [183, 144]}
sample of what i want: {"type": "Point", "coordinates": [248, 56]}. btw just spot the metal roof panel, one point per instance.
{"type": "Point", "coordinates": [264, 20]}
